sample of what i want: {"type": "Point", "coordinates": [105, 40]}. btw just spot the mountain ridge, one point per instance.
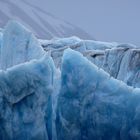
{"type": "Point", "coordinates": [39, 21]}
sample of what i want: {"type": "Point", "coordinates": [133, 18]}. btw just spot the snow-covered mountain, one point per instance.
{"type": "Point", "coordinates": [56, 93]}
{"type": "Point", "coordinates": [39, 21]}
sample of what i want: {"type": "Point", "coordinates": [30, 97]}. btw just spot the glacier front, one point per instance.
{"type": "Point", "coordinates": [67, 89]}
{"type": "Point", "coordinates": [121, 61]}
{"type": "Point", "coordinates": [18, 45]}
{"type": "Point", "coordinates": [93, 105]}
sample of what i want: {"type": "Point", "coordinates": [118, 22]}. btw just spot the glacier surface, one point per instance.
{"type": "Point", "coordinates": [93, 105]}
{"type": "Point", "coordinates": [18, 45]}
{"type": "Point", "coordinates": [121, 61]}
{"type": "Point", "coordinates": [25, 99]}
{"type": "Point", "coordinates": [67, 89]}
{"type": "Point", "coordinates": [42, 23]}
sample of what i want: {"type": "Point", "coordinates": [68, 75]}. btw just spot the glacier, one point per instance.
{"type": "Point", "coordinates": [41, 22]}
{"type": "Point", "coordinates": [93, 105]}
{"type": "Point", "coordinates": [121, 61]}
{"type": "Point", "coordinates": [19, 45]}
{"type": "Point", "coordinates": [67, 88]}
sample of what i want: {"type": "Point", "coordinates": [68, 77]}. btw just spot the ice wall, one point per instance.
{"type": "Point", "coordinates": [92, 105]}
{"type": "Point", "coordinates": [77, 101]}
{"type": "Point", "coordinates": [120, 60]}
{"type": "Point", "coordinates": [18, 45]}
{"type": "Point", "coordinates": [25, 87]}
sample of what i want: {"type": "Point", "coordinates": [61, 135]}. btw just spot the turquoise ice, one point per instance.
{"type": "Point", "coordinates": [67, 89]}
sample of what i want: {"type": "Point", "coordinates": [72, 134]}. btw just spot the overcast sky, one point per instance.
{"type": "Point", "coordinates": [106, 20]}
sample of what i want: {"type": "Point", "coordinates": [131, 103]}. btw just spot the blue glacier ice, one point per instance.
{"type": "Point", "coordinates": [1, 34]}
{"type": "Point", "coordinates": [58, 45]}
{"type": "Point", "coordinates": [18, 45]}
{"type": "Point", "coordinates": [74, 42]}
{"type": "Point", "coordinates": [25, 100]}
{"type": "Point", "coordinates": [120, 60]}
{"type": "Point", "coordinates": [94, 106]}
{"type": "Point", "coordinates": [67, 88]}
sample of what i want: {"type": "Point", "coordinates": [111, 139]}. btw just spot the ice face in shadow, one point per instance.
{"type": "Point", "coordinates": [121, 63]}
{"type": "Point", "coordinates": [18, 45]}
{"type": "Point", "coordinates": [58, 45]}
{"type": "Point", "coordinates": [25, 100]}
{"type": "Point", "coordinates": [1, 34]}
{"type": "Point", "coordinates": [93, 105]}
{"type": "Point", "coordinates": [119, 60]}
{"type": "Point", "coordinates": [79, 102]}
